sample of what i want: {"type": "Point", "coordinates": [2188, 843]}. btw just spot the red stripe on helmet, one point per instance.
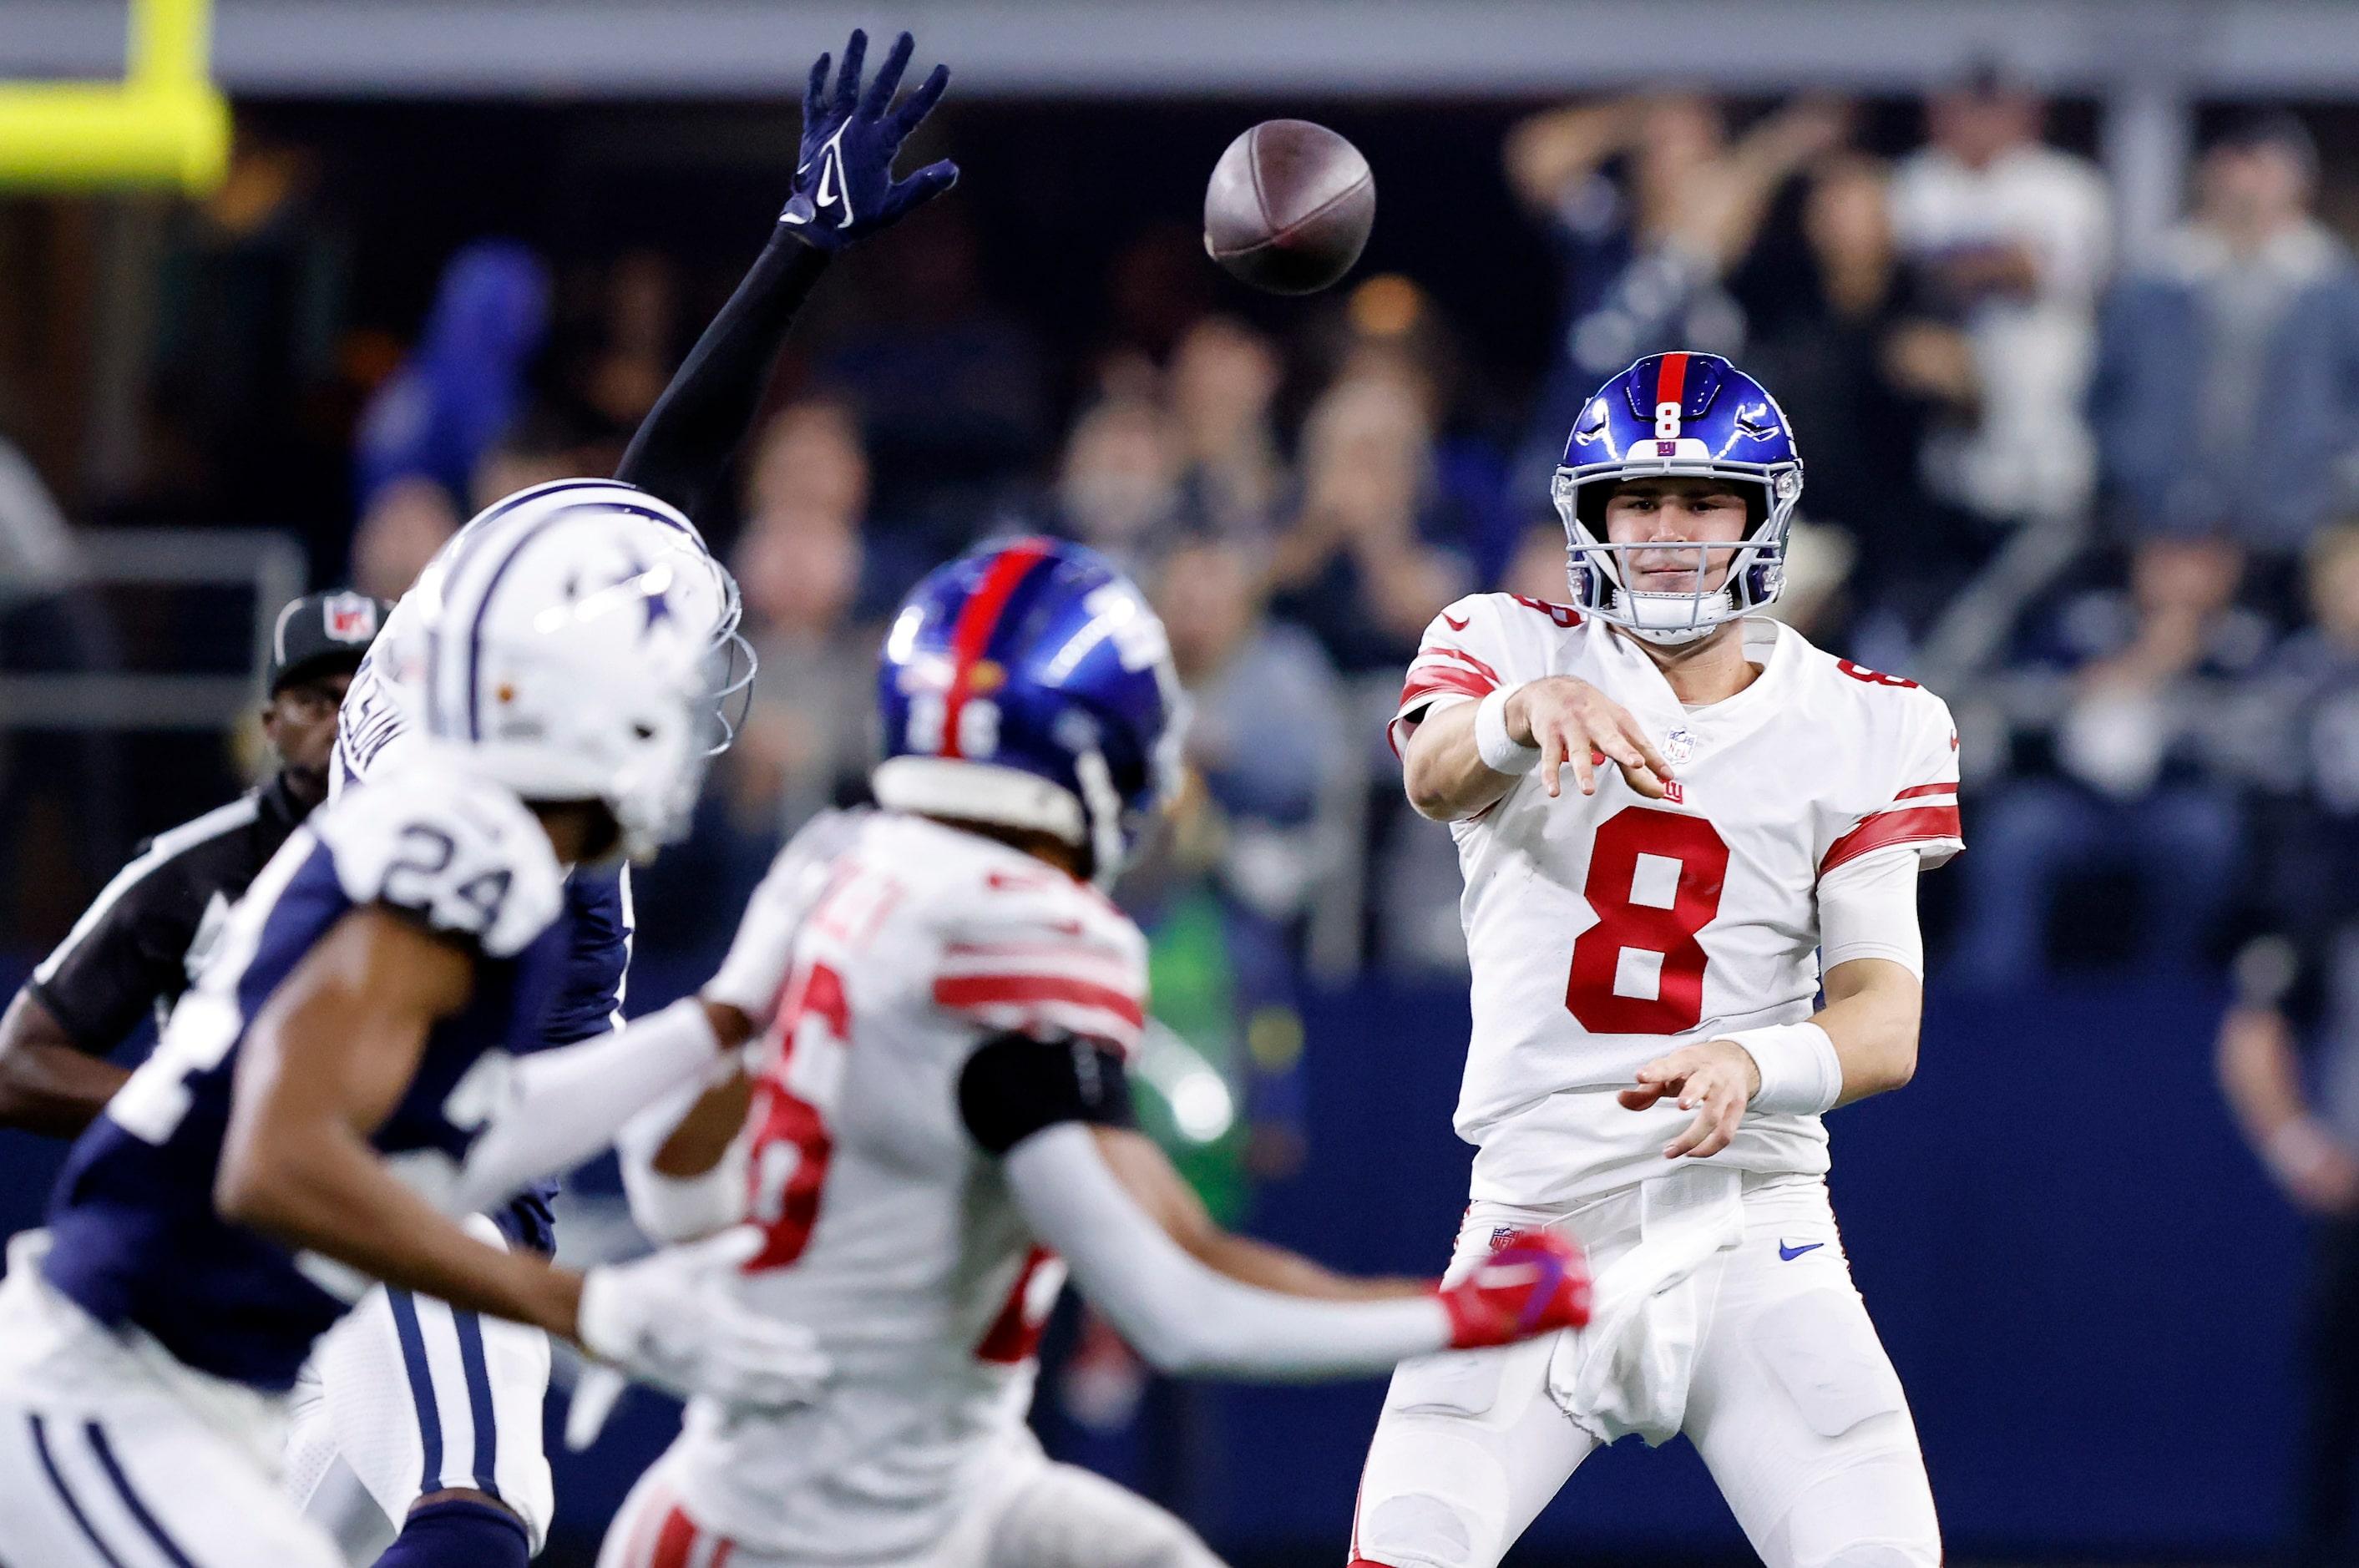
{"type": "Point", "coordinates": [978, 618]}
{"type": "Point", "coordinates": [1672, 380]}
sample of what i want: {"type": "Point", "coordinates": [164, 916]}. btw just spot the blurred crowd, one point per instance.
{"type": "Point", "coordinates": [2102, 498]}
{"type": "Point", "coordinates": [2107, 503]}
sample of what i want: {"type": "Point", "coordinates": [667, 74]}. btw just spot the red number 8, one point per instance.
{"type": "Point", "coordinates": [1655, 881]}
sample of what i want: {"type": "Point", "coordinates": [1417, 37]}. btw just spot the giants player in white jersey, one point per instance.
{"type": "Point", "coordinates": [937, 1132]}
{"type": "Point", "coordinates": [1647, 1071]}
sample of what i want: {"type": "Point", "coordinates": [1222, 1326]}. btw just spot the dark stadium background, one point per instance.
{"type": "Point", "coordinates": [2087, 1282]}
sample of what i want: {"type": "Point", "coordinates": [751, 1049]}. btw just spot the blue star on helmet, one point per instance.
{"type": "Point", "coordinates": [650, 585]}
{"type": "Point", "coordinates": [654, 585]}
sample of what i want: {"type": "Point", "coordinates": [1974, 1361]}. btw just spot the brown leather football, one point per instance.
{"type": "Point", "coordinates": [1289, 207]}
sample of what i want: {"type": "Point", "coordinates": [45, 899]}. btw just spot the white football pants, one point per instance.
{"type": "Point", "coordinates": [404, 1397]}
{"type": "Point", "coordinates": [1788, 1396]}
{"type": "Point", "coordinates": [1041, 1515]}
{"type": "Point", "coordinates": [114, 1455]}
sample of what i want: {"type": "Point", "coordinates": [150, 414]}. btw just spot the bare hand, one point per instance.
{"type": "Point", "coordinates": [1716, 1079]}
{"type": "Point", "coordinates": [1570, 720]}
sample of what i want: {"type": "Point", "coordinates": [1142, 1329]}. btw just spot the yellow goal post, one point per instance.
{"type": "Point", "coordinates": [165, 124]}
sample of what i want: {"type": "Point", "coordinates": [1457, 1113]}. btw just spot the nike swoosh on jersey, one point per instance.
{"type": "Point", "coordinates": [1454, 623]}
{"type": "Point", "coordinates": [1787, 1254]}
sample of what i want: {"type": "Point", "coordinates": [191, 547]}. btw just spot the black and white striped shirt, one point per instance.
{"type": "Point", "coordinates": [136, 944]}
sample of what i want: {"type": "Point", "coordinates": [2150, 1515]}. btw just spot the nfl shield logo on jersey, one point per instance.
{"type": "Point", "coordinates": [1679, 746]}
{"type": "Point", "coordinates": [349, 617]}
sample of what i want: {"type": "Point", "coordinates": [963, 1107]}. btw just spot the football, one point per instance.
{"type": "Point", "coordinates": [1289, 207]}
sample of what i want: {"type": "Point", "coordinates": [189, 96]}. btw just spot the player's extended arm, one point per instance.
{"type": "Point", "coordinates": [1462, 759]}
{"type": "Point", "coordinates": [1147, 1175]}
{"type": "Point", "coordinates": [844, 189]}
{"type": "Point", "coordinates": [49, 1084]}
{"type": "Point", "coordinates": [1863, 1042]}
{"type": "Point", "coordinates": [561, 1106]}
{"type": "Point", "coordinates": [1871, 1017]}
{"type": "Point", "coordinates": [327, 1061]}
{"type": "Point", "coordinates": [1186, 1318]}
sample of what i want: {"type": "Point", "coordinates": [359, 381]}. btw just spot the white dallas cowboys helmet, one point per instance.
{"type": "Point", "coordinates": [579, 643]}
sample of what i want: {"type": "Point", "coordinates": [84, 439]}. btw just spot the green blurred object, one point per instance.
{"type": "Point", "coordinates": [1188, 1074]}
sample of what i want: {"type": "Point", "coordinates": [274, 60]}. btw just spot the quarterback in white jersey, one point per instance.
{"type": "Point", "coordinates": [935, 1128]}
{"type": "Point", "coordinates": [1646, 1070]}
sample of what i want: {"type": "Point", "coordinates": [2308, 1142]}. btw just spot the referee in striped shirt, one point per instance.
{"type": "Point", "coordinates": [135, 947]}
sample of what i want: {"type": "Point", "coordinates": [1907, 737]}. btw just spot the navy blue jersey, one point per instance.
{"type": "Point", "coordinates": [135, 1237]}
{"type": "Point", "coordinates": [589, 1002]}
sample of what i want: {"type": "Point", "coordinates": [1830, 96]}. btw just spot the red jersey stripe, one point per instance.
{"type": "Point", "coordinates": [675, 1540]}
{"type": "Point", "coordinates": [1425, 683]}
{"type": "Point", "coordinates": [1461, 655]}
{"type": "Point", "coordinates": [1672, 380]}
{"type": "Point", "coordinates": [1921, 789]}
{"type": "Point", "coordinates": [960, 992]}
{"type": "Point", "coordinates": [978, 618]}
{"type": "Point", "coordinates": [1886, 828]}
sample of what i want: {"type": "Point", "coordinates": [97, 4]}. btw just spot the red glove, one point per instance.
{"type": "Point", "coordinates": [1534, 1282]}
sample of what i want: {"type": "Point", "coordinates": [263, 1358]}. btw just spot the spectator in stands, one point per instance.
{"type": "Point", "coordinates": [2227, 393]}
{"type": "Point", "coordinates": [1537, 568]}
{"type": "Point", "coordinates": [435, 417]}
{"type": "Point", "coordinates": [1367, 561]}
{"type": "Point", "coordinates": [1267, 734]}
{"type": "Point", "coordinates": [409, 519]}
{"type": "Point", "coordinates": [1118, 485]}
{"type": "Point", "coordinates": [1643, 254]}
{"type": "Point", "coordinates": [2299, 986]}
{"type": "Point", "coordinates": [456, 394]}
{"type": "Point", "coordinates": [2136, 785]}
{"type": "Point", "coordinates": [636, 360]}
{"type": "Point", "coordinates": [950, 394]}
{"type": "Point", "coordinates": [806, 742]}
{"type": "Point", "coordinates": [1224, 375]}
{"type": "Point", "coordinates": [1856, 369]}
{"type": "Point", "coordinates": [2013, 239]}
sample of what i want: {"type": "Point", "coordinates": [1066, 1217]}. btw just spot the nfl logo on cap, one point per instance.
{"type": "Point", "coordinates": [349, 617]}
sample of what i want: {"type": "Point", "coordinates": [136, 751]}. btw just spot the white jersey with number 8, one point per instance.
{"type": "Point", "coordinates": [1605, 931]}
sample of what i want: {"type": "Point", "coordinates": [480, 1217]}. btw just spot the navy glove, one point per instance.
{"type": "Point", "coordinates": [844, 187]}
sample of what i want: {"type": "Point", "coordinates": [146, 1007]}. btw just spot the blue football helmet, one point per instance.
{"type": "Point", "coordinates": [1689, 415]}
{"type": "Point", "coordinates": [1028, 684]}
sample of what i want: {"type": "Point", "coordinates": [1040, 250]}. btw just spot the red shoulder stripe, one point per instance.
{"type": "Point", "coordinates": [1433, 682]}
{"type": "Point", "coordinates": [1918, 824]}
{"type": "Point", "coordinates": [962, 992]}
{"type": "Point", "coordinates": [1462, 657]}
{"type": "Point", "coordinates": [1926, 790]}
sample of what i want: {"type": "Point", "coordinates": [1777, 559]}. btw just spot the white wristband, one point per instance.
{"type": "Point", "coordinates": [1500, 754]}
{"type": "Point", "coordinates": [1800, 1073]}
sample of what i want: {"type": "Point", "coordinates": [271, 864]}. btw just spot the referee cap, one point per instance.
{"type": "Point", "coordinates": [322, 634]}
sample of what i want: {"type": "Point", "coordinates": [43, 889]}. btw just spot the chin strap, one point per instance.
{"type": "Point", "coordinates": [1104, 806]}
